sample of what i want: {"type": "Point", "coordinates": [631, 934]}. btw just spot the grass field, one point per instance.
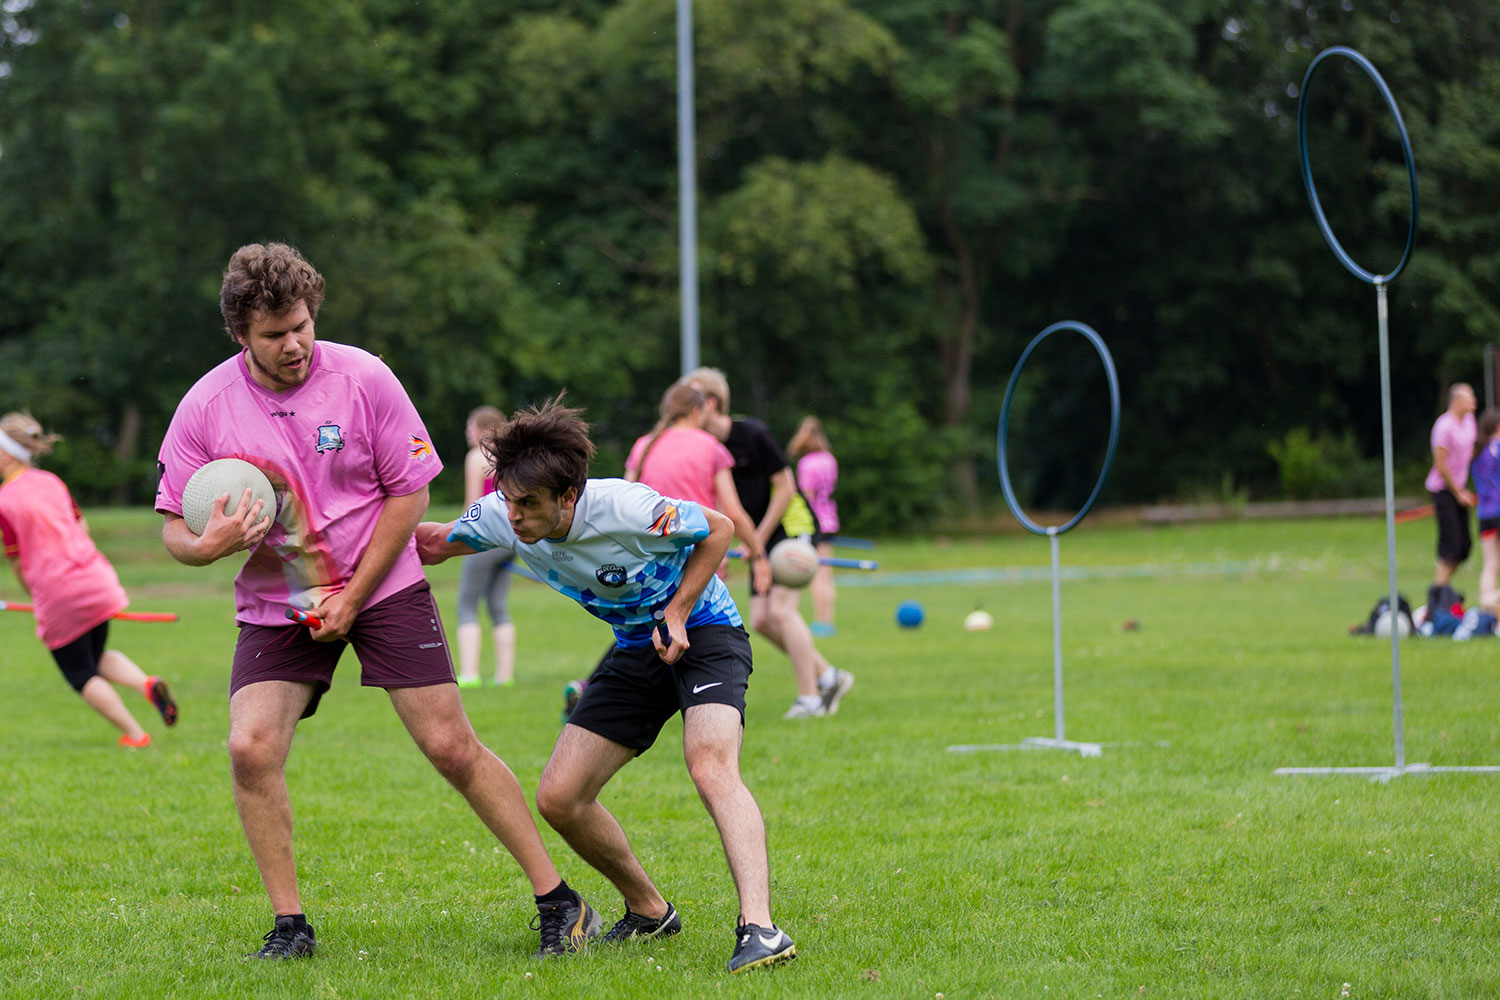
{"type": "Point", "coordinates": [903, 870]}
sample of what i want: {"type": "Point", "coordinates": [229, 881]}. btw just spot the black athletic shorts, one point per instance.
{"type": "Point", "coordinates": [79, 659]}
{"type": "Point", "coordinates": [1453, 541]}
{"type": "Point", "coordinates": [1488, 526]}
{"type": "Point", "coordinates": [633, 692]}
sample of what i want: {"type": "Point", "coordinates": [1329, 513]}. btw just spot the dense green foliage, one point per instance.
{"type": "Point", "coordinates": [903, 871]}
{"type": "Point", "coordinates": [895, 195]}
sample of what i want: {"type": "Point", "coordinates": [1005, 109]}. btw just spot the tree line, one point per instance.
{"type": "Point", "coordinates": [894, 197]}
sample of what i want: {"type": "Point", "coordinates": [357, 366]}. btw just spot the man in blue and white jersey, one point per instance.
{"type": "Point", "coordinates": [645, 564]}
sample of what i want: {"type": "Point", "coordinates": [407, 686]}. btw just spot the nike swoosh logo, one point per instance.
{"type": "Point", "coordinates": [704, 687]}
{"type": "Point", "coordinates": [770, 942]}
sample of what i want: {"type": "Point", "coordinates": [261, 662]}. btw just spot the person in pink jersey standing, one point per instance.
{"type": "Point", "coordinates": [678, 458]}
{"type": "Point", "coordinates": [1452, 444]}
{"type": "Point", "coordinates": [334, 430]}
{"type": "Point", "coordinates": [817, 475]}
{"type": "Point", "coordinates": [73, 587]}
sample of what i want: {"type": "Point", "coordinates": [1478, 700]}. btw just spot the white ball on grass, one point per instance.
{"type": "Point", "coordinates": [978, 621]}
{"type": "Point", "coordinates": [224, 475]}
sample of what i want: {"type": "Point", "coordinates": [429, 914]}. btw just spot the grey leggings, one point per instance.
{"type": "Point", "coordinates": [485, 574]}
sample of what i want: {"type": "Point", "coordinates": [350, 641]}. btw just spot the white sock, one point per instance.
{"type": "Point", "coordinates": [828, 677]}
{"type": "Point", "coordinates": [810, 700]}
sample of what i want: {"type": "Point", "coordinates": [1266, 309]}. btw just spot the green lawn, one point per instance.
{"type": "Point", "coordinates": [903, 870]}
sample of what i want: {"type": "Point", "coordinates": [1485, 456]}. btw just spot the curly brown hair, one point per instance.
{"type": "Point", "coordinates": [542, 447]}
{"type": "Point", "coordinates": [266, 278]}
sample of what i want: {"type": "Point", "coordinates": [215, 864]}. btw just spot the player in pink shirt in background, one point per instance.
{"type": "Point", "coordinates": [817, 475]}
{"type": "Point", "coordinates": [73, 587]}
{"type": "Point", "coordinates": [333, 429]}
{"type": "Point", "coordinates": [1452, 441]}
{"type": "Point", "coordinates": [681, 459]}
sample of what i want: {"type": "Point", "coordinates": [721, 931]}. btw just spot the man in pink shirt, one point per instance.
{"type": "Point", "coordinates": [1452, 449]}
{"type": "Point", "coordinates": [334, 431]}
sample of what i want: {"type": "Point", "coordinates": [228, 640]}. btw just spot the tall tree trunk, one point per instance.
{"type": "Point", "coordinates": [127, 442]}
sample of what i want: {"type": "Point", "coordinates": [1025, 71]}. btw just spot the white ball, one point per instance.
{"type": "Point", "coordinates": [793, 562]}
{"type": "Point", "coordinates": [1383, 625]}
{"type": "Point", "coordinates": [224, 475]}
{"type": "Point", "coordinates": [978, 621]}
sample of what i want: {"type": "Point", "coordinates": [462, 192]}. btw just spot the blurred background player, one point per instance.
{"type": "Point", "coordinates": [1452, 441]}
{"type": "Point", "coordinates": [487, 574]}
{"type": "Point", "coordinates": [1485, 472]}
{"type": "Point", "coordinates": [681, 459]}
{"type": "Point", "coordinates": [817, 475]}
{"type": "Point", "coordinates": [766, 485]}
{"type": "Point", "coordinates": [73, 587]}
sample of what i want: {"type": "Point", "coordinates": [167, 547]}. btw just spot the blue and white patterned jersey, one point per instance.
{"type": "Point", "coordinates": [622, 558]}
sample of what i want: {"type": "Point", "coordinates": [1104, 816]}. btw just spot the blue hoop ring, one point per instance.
{"type": "Point", "coordinates": [1307, 179]}
{"type": "Point", "coordinates": [1114, 427]}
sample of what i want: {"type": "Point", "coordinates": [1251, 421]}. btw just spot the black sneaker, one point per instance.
{"type": "Point", "coordinates": [565, 926]}
{"type": "Point", "coordinates": [288, 939]}
{"type": "Point", "coordinates": [760, 947]}
{"type": "Point", "coordinates": [633, 925]}
{"type": "Point", "coordinates": [158, 695]}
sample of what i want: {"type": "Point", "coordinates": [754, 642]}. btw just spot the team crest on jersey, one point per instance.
{"type": "Point", "coordinates": [663, 519]}
{"type": "Point", "coordinates": [610, 575]}
{"type": "Point", "coordinates": [472, 514]}
{"type": "Point", "coordinates": [420, 449]}
{"type": "Point", "coordinates": [330, 438]}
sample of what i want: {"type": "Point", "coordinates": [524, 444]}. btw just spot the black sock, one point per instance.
{"type": "Point", "coordinates": [562, 894]}
{"type": "Point", "coordinates": [297, 919]}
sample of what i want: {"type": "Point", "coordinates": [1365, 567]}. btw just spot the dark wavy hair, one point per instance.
{"type": "Point", "coordinates": [266, 278]}
{"type": "Point", "coordinates": [542, 447]}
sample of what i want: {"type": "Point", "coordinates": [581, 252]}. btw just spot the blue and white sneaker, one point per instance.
{"type": "Point", "coordinates": [760, 947]}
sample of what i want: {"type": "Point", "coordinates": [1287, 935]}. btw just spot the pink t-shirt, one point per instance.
{"type": "Point", "coordinates": [73, 587]}
{"type": "Point", "coordinates": [681, 464]}
{"type": "Point", "coordinates": [334, 448]}
{"type": "Point", "coordinates": [1458, 437]}
{"type": "Point", "coordinates": [817, 474]}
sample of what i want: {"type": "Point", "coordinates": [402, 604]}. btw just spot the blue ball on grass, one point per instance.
{"type": "Point", "coordinates": [909, 614]}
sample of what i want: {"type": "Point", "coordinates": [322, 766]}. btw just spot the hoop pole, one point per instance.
{"type": "Point", "coordinates": [1057, 673]}
{"type": "Point", "coordinates": [1382, 312]}
{"type": "Point", "coordinates": [687, 188]}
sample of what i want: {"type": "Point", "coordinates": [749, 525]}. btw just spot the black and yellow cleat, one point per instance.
{"type": "Point", "coordinates": [566, 926]}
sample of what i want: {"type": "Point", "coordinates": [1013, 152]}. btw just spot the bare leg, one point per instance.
{"type": "Point", "coordinates": [775, 616]}
{"type": "Point", "coordinates": [104, 699]}
{"type": "Point", "coordinates": [505, 652]}
{"type": "Point", "coordinates": [117, 668]}
{"type": "Point", "coordinates": [469, 637]}
{"type": "Point", "coordinates": [262, 720]}
{"type": "Point", "coordinates": [711, 738]}
{"type": "Point", "coordinates": [1443, 573]}
{"type": "Point", "coordinates": [822, 588]}
{"type": "Point", "coordinates": [568, 798]}
{"type": "Point", "coordinates": [435, 718]}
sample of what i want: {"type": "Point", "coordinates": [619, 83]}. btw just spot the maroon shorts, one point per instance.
{"type": "Point", "coordinates": [400, 643]}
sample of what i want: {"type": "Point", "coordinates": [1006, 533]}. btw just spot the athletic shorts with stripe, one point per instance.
{"type": "Point", "coordinates": [633, 692]}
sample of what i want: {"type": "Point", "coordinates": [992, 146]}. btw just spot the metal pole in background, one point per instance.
{"type": "Point", "coordinates": [687, 187]}
{"type": "Point", "coordinates": [1390, 519]}
{"type": "Point", "coordinates": [1057, 671]}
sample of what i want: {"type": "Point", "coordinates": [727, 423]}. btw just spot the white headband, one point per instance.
{"type": "Point", "coordinates": [14, 448]}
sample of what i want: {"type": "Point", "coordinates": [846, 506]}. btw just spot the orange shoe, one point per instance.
{"type": "Point", "coordinates": [158, 695]}
{"type": "Point", "coordinates": [144, 741]}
